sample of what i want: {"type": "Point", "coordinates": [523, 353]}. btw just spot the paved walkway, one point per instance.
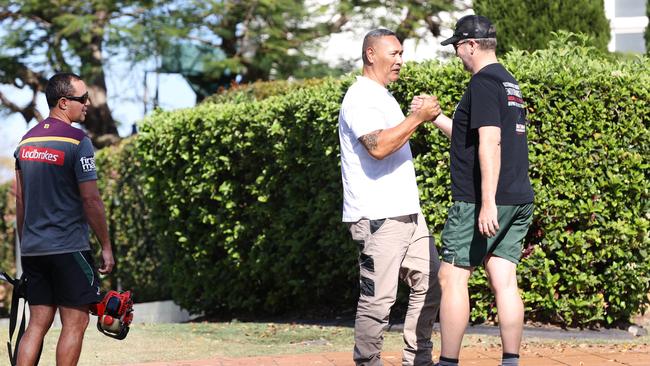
{"type": "Point", "coordinates": [545, 355]}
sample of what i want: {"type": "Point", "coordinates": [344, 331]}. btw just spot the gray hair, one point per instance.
{"type": "Point", "coordinates": [370, 38]}
{"type": "Point", "coordinates": [486, 43]}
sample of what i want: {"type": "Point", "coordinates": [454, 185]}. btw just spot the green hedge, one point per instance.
{"type": "Point", "coordinates": [259, 90]}
{"type": "Point", "coordinates": [136, 252]}
{"type": "Point", "coordinates": [248, 199]}
{"type": "Point", "coordinates": [243, 200]}
{"type": "Point", "coordinates": [7, 242]}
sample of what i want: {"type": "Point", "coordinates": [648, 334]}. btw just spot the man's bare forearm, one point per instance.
{"type": "Point", "coordinates": [94, 212]}
{"type": "Point", "coordinates": [382, 143]}
{"type": "Point", "coordinates": [96, 217]}
{"type": "Point", "coordinates": [444, 123]}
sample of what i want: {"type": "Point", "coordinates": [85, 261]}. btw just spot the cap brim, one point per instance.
{"type": "Point", "coordinates": [451, 40]}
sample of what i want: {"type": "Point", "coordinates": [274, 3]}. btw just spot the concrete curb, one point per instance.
{"type": "Point", "coordinates": [144, 313]}
{"type": "Point", "coordinates": [534, 332]}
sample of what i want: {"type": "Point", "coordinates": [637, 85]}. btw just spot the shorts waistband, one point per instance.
{"type": "Point", "coordinates": [405, 218]}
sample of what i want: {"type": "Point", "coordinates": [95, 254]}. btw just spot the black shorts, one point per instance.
{"type": "Point", "coordinates": [68, 279]}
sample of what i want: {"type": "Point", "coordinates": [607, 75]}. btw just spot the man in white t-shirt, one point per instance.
{"type": "Point", "coordinates": [381, 206]}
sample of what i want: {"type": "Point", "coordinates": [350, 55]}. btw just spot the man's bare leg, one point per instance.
{"type": "Point", "coordinates": [454, 309]}
{"type": "Point", "coordinates": [40, 320]}
{"type": "Point", "coordinates": [74, 322]}
{"type": "Point", "coordinates": [503, 280]}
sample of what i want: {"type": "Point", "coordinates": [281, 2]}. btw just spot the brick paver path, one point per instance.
{"type": "Point", "coordinates": [542, 355]}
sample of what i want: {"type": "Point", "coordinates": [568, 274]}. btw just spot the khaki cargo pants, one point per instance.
{"type": "Point", "coordinates": [392, 249]}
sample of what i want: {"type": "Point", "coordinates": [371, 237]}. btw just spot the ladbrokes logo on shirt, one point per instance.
{"type": "Point", "coordinates": [87, 164]}
{"type": "Point", "coordinates": [42, 155]}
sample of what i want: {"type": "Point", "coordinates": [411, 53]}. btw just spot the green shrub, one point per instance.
{"type": "Point", "coordinates": [259, 90]}
{"type": "Point", "coordinates": [244, 199]}
{"type": "Point", "coordinates": [247, 199]}
{"type": "Point", "coordinates": [7, 242]}
{"type": "Point", "coordinates": [529, 24]}
{"type": "Point", "coordinates": [137, 255]}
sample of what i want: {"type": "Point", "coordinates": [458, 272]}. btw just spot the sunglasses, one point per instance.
{"type": "Point", "coordinates": [82, 99]}
{"type": "Point", "coordinates": [457, 44]}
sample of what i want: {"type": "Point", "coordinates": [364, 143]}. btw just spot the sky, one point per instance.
{"type": "Point", "coordinates": [125, 84]}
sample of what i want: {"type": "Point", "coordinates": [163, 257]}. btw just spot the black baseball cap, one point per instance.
{"type": "Point", "coordinates": [472, 26]}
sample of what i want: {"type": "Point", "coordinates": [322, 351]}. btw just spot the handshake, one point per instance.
{"type": "Point", "coordinates": [425, 107]}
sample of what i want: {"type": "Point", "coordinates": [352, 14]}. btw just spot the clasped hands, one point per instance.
{"type": "Point", "coordinates": [425, 106]}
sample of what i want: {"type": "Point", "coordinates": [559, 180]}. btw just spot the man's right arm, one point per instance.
{"type": "Point", "coordinates": [443, 122]}
{"type": "Point", "coordinates": [382, 143]}
{"type": "Point", "coordinates": [96, 217]}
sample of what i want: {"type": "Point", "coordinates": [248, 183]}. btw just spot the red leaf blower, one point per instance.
{"type": "Point", "coordinates": [114, 314]}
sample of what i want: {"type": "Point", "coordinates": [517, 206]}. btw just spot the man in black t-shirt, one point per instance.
{"type": "Point", "coordinates": [493, 197]}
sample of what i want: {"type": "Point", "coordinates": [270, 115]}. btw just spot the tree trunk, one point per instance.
{"type": "Point", "coordinates": [99, 121]}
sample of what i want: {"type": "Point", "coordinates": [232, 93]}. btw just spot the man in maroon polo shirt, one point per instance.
{"type": "Point", "coordinates": [56, 199]}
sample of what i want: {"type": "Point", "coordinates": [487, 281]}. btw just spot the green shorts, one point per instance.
{"type": "Point", "coordinates": [463, 245]}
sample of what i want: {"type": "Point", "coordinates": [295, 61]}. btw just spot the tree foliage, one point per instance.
{"type": "Point", "coordinates": [262, 40]}
{"type": "Point", "coordinates": [40, 38]}
{"type": "Point", "coordinates": [528, 24]}
{"type": "Point", "coordinates": [7, 243]}
{"type": "Point", "coordinates": [223, 41]}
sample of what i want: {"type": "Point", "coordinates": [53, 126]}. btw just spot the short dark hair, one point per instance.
{"type": "Point", "coordinates": [59, 86]}
{"type": "Point", "coordinates": [371, 37]}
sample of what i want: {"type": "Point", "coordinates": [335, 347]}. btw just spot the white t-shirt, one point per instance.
{"type": "Point", "coordinates": [373, 189]}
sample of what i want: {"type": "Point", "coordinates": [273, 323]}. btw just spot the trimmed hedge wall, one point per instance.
{"type": "Point", "coordinates": [260, 90]}
{"type": "Point", "coordinates": [243, 199]}
{"type": "Point", "coordinates": [247, 202]}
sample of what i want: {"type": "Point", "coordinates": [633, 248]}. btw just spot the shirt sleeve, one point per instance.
{"type": "Point", "coordinates": [485, 106]}
{"type": "Point", "coordinates": [364, 119]}
{"type": "Point", "coordinates": [84, 166]}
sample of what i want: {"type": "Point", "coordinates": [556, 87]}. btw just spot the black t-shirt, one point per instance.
{"type": "Point", "coordinates": [492, 98]}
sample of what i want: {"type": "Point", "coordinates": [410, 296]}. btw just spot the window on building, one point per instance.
{"type": "Point", "coordinates": [628, 21]}
{"type": "Point", "coordinates": [629, 8]}
{"type": "Point", "coordinates": [630, 42]}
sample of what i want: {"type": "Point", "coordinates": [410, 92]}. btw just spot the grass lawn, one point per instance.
{"type": "Point", "coordinates": [166, 342]}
